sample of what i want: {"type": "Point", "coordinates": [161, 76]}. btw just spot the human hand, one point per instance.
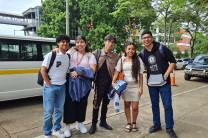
{"type": "Point", "coordinates": [140, 91]}
{"type": "Point", "coordinates": [165, 77]}
{"type": "Point", "coordinates": [72, 48]}
{"type": "Point", "coordinates": [113, 84]}
{"type": "Point", "coordinates": [56, 50]}
{"type": "Point", "coordinates": [74, 74]}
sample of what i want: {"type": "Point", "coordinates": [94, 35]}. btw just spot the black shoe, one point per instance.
{"type": "Point", "coordinates": [105, 125]}
{"type": "Point", "coordinates": [171, 132]}
{"type": "Point", "coordinates": [92, 129]}
{"type": "Point", "coordinates": [155, 128]}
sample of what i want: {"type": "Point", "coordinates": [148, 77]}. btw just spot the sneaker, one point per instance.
{"type": "Point", "coordinates": [48, 136]}
{"type": "Point", "coordinates": [58, 134]}
{"type": "Point", "coordinates": [154, 128]}
{"type": "Point", "coordinates": [171, 132]}
{"type": "Point", "coordinates": [81, 127]}
{"type": "Point", "coordinates": [67, 132]}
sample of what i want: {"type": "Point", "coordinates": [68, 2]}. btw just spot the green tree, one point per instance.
{"type": "Point", "coordinates": [178, 53]}
{"type": "Point", "coordinates": [91, 16]}
{"type": "Point", "coordinates": [134, 15]}
{"type": "Point", "coordinates": [201, 46]}
{"type": "Point", "coordinates": [195, 19]}
{"type": "Point", "coordinates": [54, 17]}
{"type": "Point", "coordinates": [96, 22]}
{"type": "Point", "coordinates": [168, 14]}
{"type": "Point", "coordinates": [186, 53]}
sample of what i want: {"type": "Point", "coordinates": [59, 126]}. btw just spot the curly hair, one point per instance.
{"type": "Point", "coordinates": [135, 63]}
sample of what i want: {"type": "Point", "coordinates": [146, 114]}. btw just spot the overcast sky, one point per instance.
{"type": "Point", "coordinates": [16, 7]}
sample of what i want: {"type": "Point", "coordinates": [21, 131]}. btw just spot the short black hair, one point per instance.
{"type": "Point", "coordinates": [146, 32]}
{"type": "Point", "coordinates": [110, 37]}
{"type": "Point", "coordinates": [61, 37]}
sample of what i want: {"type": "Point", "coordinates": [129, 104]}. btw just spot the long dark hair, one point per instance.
{"type": "Point", "coordinates": [87, 49]}
{"type": "Point", "coordinates": [135, 63]}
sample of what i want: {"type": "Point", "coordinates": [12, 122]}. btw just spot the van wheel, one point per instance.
{"type": "Point", "coordinates": [187, 77]}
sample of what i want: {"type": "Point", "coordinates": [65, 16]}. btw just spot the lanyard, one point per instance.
{"type": "Point", "coordinates": [78, 62]}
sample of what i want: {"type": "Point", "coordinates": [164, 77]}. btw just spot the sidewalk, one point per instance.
{"type": "Point", "coordinates": [190, 115]}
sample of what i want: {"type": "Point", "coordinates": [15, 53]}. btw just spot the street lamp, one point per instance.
{"type": "Point", "coordinates": [67, 17]}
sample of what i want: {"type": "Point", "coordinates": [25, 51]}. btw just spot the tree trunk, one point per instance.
{"type": "Point", "coordinates": [193, 43]}
{"type": "Point", "coordinates": [169, 31]}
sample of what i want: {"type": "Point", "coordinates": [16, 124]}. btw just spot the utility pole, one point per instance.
{"type": "Point", "coordinates": [67, 17]}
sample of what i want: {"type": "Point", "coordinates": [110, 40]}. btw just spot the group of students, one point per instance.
{"type": "Point", "coordinates": [68, 83]}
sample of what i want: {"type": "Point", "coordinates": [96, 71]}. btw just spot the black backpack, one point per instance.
{"type": "Point", "coordinates": [40, 77]}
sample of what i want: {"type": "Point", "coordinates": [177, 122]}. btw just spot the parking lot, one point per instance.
{"type": "Point", "coordinates": [23, 118]}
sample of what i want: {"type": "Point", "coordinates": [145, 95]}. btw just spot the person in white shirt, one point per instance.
{"type": "Point", "coordinates": [75, 111]}
{"type": "Point", "coordinates": [54, 87]}
{"type": "Point", "coordinates": [133, 74]}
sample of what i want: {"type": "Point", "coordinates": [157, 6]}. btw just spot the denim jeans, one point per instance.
{"type": "Point", "coordinates": [166, 96]}
{"type": "Point", "coordinates": [53, 101]}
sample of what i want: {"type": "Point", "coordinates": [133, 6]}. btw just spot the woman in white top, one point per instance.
{"type": "Point", "coordinates": [75, 111]}
{"type": "Point", "coordinates": [133, 70]}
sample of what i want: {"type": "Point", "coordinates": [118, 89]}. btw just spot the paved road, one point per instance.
{"type": "Point", "coordinates": [23, 118]}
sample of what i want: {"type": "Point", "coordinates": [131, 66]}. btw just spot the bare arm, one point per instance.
{"type": "Point", "coordinates": [169, 70]}
{"type": "Point", "coordinates": [140, 84]}
{"type": "Point", "coordinates": [114, 78]}
{"type": "Point", "coordinates": [45, 75]}
{"type": "Point", "coordinates": [93, 66]}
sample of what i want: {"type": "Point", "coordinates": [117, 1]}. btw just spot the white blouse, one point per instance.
{"type": "Point", "coordinates": [127, 69]}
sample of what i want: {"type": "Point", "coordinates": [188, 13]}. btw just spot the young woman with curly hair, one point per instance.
{"type": "Point", "coordinates": [133, 70]}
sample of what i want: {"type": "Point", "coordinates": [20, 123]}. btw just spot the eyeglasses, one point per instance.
{"type": "Point", "coordinates": [112, 42]}
{"type": "Point", "coordinates": [148, 37]}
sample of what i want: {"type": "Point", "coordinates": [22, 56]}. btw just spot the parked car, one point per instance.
{"type": "Point", "coordinates": [187, 61]}
{"type": "Point", "coordinates": [199, 68]}
{"type": "Point", "coordinates": [179, 64]}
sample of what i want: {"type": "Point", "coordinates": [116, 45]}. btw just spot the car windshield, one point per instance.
{"type": "Point", "coordinates": [201, 59]}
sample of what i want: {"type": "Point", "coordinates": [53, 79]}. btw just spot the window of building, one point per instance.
{"type": "Point", "coordinates": [74, 33]}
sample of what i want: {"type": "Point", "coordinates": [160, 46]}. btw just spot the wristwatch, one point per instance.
{"type": "Point", "coordinates": [166, 75]}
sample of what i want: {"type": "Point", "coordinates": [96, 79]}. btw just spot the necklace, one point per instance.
{"type": "Point", "coordinates": [78, 62]}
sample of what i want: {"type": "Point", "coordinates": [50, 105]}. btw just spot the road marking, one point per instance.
{"type": "Point", "coordinates": [122, 111]}
{"type": "Point", "coordinates": [190, 90]}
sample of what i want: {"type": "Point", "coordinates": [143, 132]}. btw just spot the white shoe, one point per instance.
{"type": "Point", "coordinates": [67, 132]}
{"type": "Point", "coordinates": [48, 136]}
{"type": "Point", "coordinates": [81, 127]}
{"type": "Point", "coordinates": [58, 134]}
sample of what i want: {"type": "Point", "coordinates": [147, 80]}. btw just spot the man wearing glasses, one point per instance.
{"type": "Point", "coordinates": [156, 58]}
{"type": "Point", "coordinates": [106, 64]}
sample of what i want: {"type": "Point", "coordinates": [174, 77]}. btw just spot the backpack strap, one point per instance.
{"type": "Point", "coordinates": [98, 54]}
{"type": "Point", "coordinates": [89, 55]}
{"type": "Point", "coordinates": [52, 60]}
{"type": "Point", "coordinates": [161, 50]}
{"type": "Point", "coordinates": [69, 56]}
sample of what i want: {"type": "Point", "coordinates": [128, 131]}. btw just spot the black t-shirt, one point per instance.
{"type": "Point", "coordinates": [157, 63]}
{"type": "Point", "coordinates": [103, 76]}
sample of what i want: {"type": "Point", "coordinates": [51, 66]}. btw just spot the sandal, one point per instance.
{"type": "Point", "coordinates": [128, 127]}
{"type": "Point", "coordinates": [134, 127]}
